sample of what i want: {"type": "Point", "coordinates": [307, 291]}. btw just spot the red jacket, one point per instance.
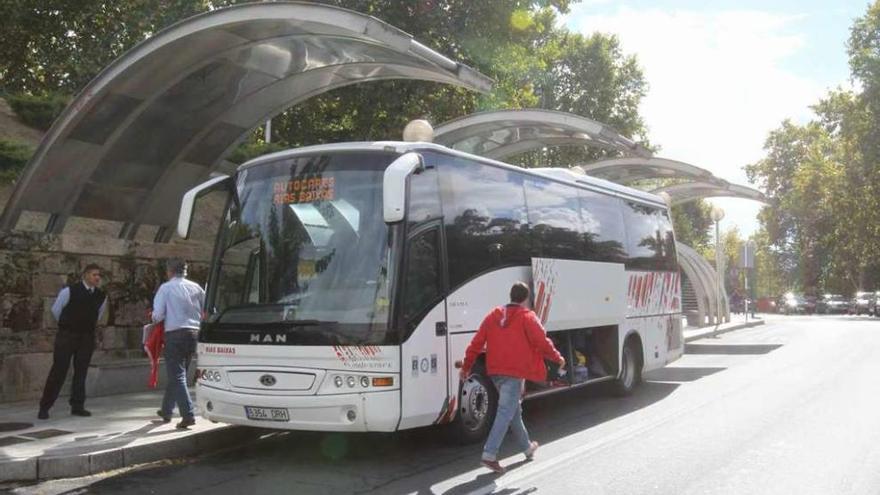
{"type": "Point", "coordinates": [515, 344]}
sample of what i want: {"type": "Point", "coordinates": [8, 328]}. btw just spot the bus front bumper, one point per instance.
{"type": "Point", "coordinates": [371, 411]}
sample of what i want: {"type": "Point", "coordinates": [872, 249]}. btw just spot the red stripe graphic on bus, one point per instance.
{"type": "Point", "coordinates": [653, 293]}
{"type": "Point", "coordinates": [352, 354]}
{"type": "Point", "coordinates": [545, 287]}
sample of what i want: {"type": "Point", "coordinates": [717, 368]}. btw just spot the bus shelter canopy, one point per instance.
{"type": "Point", "coordinates": [160, 118]}
{"type": "Point", "coordinates": [504, 133]}
{"type": "Point", "coordinates": [689, 191]}
{"type": "Point", "coordinates": [631, 169]}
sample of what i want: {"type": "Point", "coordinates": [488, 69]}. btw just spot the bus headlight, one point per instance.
{"type": "Point", "coordinates": [354, 383]}
{"type": "Point", "coordinates": [208, 375]}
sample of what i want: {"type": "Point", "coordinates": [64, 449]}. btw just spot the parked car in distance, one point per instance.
{"type": "Point", "coordinates": [797, 304]}
{"type": "Point", "coordinates": [810, 304]}
{"type": "Point", "coordinates": [767, 305]}
{"type": "Point", "coordinates": [833, 304]}
{"type": "Point", "coordinates": [864, 303]}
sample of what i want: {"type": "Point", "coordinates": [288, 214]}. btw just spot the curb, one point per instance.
{"type": "Point", "coordinates": [716, 331]}
{"type": "Point", "coordinates": [45, 467]}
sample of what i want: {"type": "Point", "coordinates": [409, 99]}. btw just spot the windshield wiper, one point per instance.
{"type": "Point", "coordinates": [284, 323]}
{"type": "Point", "coordinates": [305, 323]}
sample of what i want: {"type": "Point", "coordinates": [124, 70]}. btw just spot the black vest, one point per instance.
{"type": "Point", "coordinates": [81, 312]}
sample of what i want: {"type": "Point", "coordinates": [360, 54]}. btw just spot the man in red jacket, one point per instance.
{"type": "Point", "coordinates": [516, 346]}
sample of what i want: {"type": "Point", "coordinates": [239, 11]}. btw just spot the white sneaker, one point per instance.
{"type": "Point", "coordinates": [530, 452]}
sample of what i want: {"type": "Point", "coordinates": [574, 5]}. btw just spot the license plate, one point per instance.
{"type": "Point", "coordinates": [266, 413]}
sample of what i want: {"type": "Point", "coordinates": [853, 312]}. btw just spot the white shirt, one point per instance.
{"type": "Point", "coordinates": [64, 298]}
{"type": "Point", "coordinates": [179, 303]}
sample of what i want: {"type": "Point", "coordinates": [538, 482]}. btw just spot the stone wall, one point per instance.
{"type": "Point", "coordinates": [35, 266]}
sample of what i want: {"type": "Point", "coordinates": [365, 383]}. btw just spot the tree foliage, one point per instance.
{"type": "Point", "coordinates": [692, 222]}
{"type": "Point", "coordinates": [59, 46]}
{"type": "Point", "coordinates": [823, 177]}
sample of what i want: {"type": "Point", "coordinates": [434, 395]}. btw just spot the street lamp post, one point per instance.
{"type": "Point", "coordinates": [717, 216]}
{"type": "Point", "coordinates": [749, 266]}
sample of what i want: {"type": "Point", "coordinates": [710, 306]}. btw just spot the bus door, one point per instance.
{"type": "Point", "coordinates": [424, 365]}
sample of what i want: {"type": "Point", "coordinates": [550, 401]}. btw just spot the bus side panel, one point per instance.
{"type": "Point", "coordinates": [654, 311]}
{"type": "Point", "coordinates": [423, 374]}
{"type": "Point", "coordinates": [653, 331]}
{"type": "Point", "coordinates": [467, 307]}
{"type": "Point", "coordinates": [578, 294]}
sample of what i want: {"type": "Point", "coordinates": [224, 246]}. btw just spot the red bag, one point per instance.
{"type": "Point", "coordinates": [153, 345]}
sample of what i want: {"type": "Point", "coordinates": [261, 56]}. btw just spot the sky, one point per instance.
{"type": "Point", "coordinates": [723, 74]}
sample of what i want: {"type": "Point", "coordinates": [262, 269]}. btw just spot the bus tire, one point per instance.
{"type": "Point", "coordinates": [631, 372]}
{"type": "Point", "coordinates": [478, 401]}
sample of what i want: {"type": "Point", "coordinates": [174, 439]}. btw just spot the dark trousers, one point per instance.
{"type": "Point", "coordinates": [79, 347]}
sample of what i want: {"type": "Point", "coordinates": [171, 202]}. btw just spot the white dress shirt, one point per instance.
{"type": "Point", "coordinates": [179, 302]}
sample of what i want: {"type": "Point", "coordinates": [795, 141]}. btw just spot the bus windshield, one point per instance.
{"type": "Point", "coordinates": [305, 251]}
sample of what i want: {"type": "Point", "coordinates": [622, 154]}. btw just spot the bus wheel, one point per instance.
{"type": "Point", "coordinates": [632, 369]}
{"type": "Point", "coordinates": [477, 405]}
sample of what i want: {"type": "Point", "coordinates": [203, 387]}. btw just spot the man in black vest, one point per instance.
{"type": "Point", "coordinates": [77, 310]}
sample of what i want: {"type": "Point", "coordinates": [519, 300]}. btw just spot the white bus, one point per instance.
{"type": "Point", "coordinates": [348, 279]}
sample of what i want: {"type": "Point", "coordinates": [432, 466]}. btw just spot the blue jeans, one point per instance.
{"type": "Point", "coordinates": [509, 414]}
{"type": "Point", "coordinates": [180, 345]}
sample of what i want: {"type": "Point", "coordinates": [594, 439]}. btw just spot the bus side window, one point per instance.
{"type": "Point", "coordinates": [604, 235]}
{"type": "Point", "coordinates": [422, 287]}
{"type": "Point", "coordinates": [650, 241]}
{"type": "Point", "coordinates": [424, 197]}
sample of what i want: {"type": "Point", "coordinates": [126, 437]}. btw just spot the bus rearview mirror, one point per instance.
{"type": "Point", "coordinates": [394, 185]}
{"type": "Point", "coordinates": [187, 204]}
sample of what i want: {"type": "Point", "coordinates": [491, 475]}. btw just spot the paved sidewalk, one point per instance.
{"type": "Point", "coordinates": [122, 431]}
{"type": "Point", "coordinates": [691, 334]}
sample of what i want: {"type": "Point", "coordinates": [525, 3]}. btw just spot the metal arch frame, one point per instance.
{"type": "Point", "coordinates": [702, 277]}
{"type": "Point", "coordinates": [694, 275]}
{"type": "Point", "coordinates": [563, 129]}
{"type": "Point", "coordinates": [415, 62]}
{"type": "Point", "coordinates": [690, 191]}
{"type": "Point", "coordinates": [638, 168]}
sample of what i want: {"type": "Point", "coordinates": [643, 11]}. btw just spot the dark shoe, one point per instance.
{"type": "Point", "coordinates": [166, 418]}
{"type": "Point", "coordinates": [493, 465]}
{"type": "Point", "coordinates": [43, 414]}
{"type": "Point", "coordinates": [185, 423]}
{"type": "Point", "coordinates": [80, 412]}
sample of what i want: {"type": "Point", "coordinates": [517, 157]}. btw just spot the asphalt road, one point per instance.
{"type": "Point", "coordinates": [789, 407]}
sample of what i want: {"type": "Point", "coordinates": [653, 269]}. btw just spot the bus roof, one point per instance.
{"type": "Point", "coordinates": [555, 174]}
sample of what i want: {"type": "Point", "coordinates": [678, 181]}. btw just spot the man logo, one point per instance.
{"type": "Point", "coordinates": [268, 338]}
{"type": "Point", "coordinates": [267, 380]}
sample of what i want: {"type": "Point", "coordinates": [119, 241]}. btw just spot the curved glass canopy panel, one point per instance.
{"type": "Point", "coordinates": [682, 193]}
{"type": "Point", "coordinates": [504, 133]}
{"type": "Point", "coordinates": [631, 169]}
{"type": "Point", "coordinates": [160, 118]}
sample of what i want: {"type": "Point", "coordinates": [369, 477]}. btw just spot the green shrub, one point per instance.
{"type": "Point", "coordinates": [249, 151]}
{"type": "Point", "coordinates": [13, 157]}
{"type": "Point", "coordinates": [38, 111]}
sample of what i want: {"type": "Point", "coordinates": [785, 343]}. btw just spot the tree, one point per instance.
{"type": "Point", "coordinates": [773, 275]}
{"type": "Point", "coordinates": [60, 46]}
{"type": "Point", "coordinates": [692, 222]}
{"type": "Point", "coordinates": [824, 181]}
{"type": "Point", "coordinates": [802, 177]}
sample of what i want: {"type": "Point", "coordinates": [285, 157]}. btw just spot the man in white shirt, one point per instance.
{"type": "Point", "coordinates": [179, 303]}
{"type": "Point", "coordinates": [77, 310]}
